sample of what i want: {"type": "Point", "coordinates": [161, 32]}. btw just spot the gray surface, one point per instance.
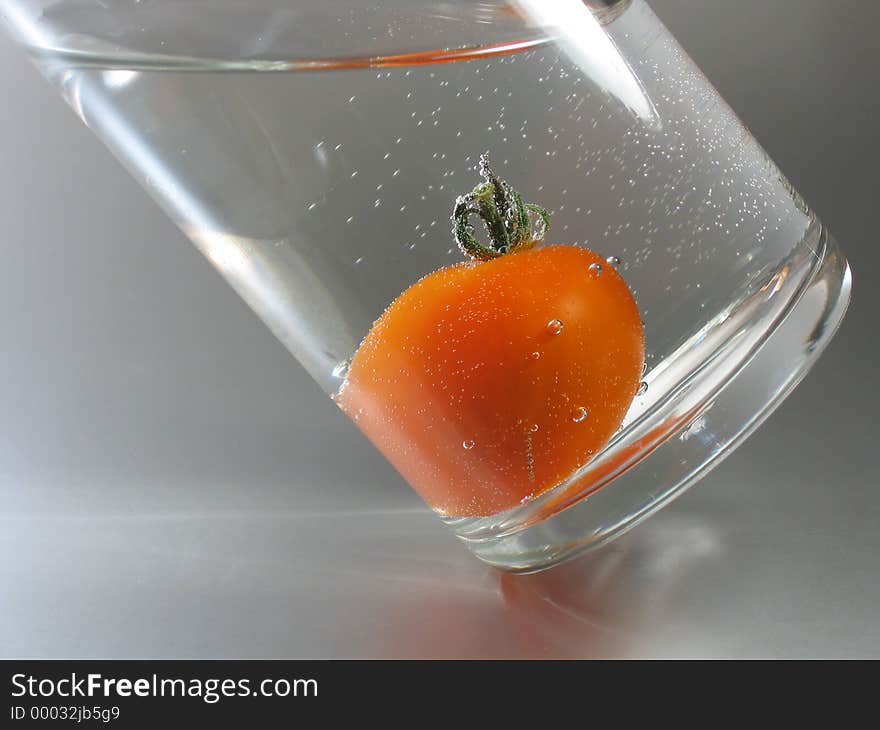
{"type": "Point", "coordinates": [173, 484]}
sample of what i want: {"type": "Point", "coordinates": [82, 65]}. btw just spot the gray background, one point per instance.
{"type": "Point", "coordinates": [173, 483]}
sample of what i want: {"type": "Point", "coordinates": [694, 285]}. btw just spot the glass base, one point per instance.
{"type": "Point", "coordinates": [714, 391]}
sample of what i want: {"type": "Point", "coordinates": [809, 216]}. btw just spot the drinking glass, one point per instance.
{"type": "Point", "coordinates": [314, 151]}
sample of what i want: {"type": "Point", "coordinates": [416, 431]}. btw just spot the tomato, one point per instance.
{"type": "Point", "coordinates": [487, 383]}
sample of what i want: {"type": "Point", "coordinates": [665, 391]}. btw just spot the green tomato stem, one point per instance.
{"type": "Point", "coordinates": [511, 224]}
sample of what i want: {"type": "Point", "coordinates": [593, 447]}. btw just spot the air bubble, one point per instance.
{"type": "Point", "coordinates": [468, 445]}
{"type": "Point", "coordinates": [579, 414]}
{"type": "Point", "coordinates": [536, 355]}
{"type": "Point", "coordinates": [554, 326]}
{"type": "Point", "coordinates": [534, 428]}
{"type": "Point", "coordinates": [643, 388]}
{"type": "Point", "coordinates": [595, 270]}
{"type": "Point", "coordinates": [613, 260]}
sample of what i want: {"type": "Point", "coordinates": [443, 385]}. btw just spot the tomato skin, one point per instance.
{"type": "Point", "coordinates": [475, 394]}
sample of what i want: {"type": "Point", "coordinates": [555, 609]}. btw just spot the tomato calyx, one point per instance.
{"type": "Point", "coordinates": [511, 224]}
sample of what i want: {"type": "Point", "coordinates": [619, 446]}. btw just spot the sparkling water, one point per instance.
{"type": "Point", "coordinates": [322, 191]}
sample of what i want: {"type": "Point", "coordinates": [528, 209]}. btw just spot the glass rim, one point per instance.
{"type": "Point", "coordinates": [269, 35]}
